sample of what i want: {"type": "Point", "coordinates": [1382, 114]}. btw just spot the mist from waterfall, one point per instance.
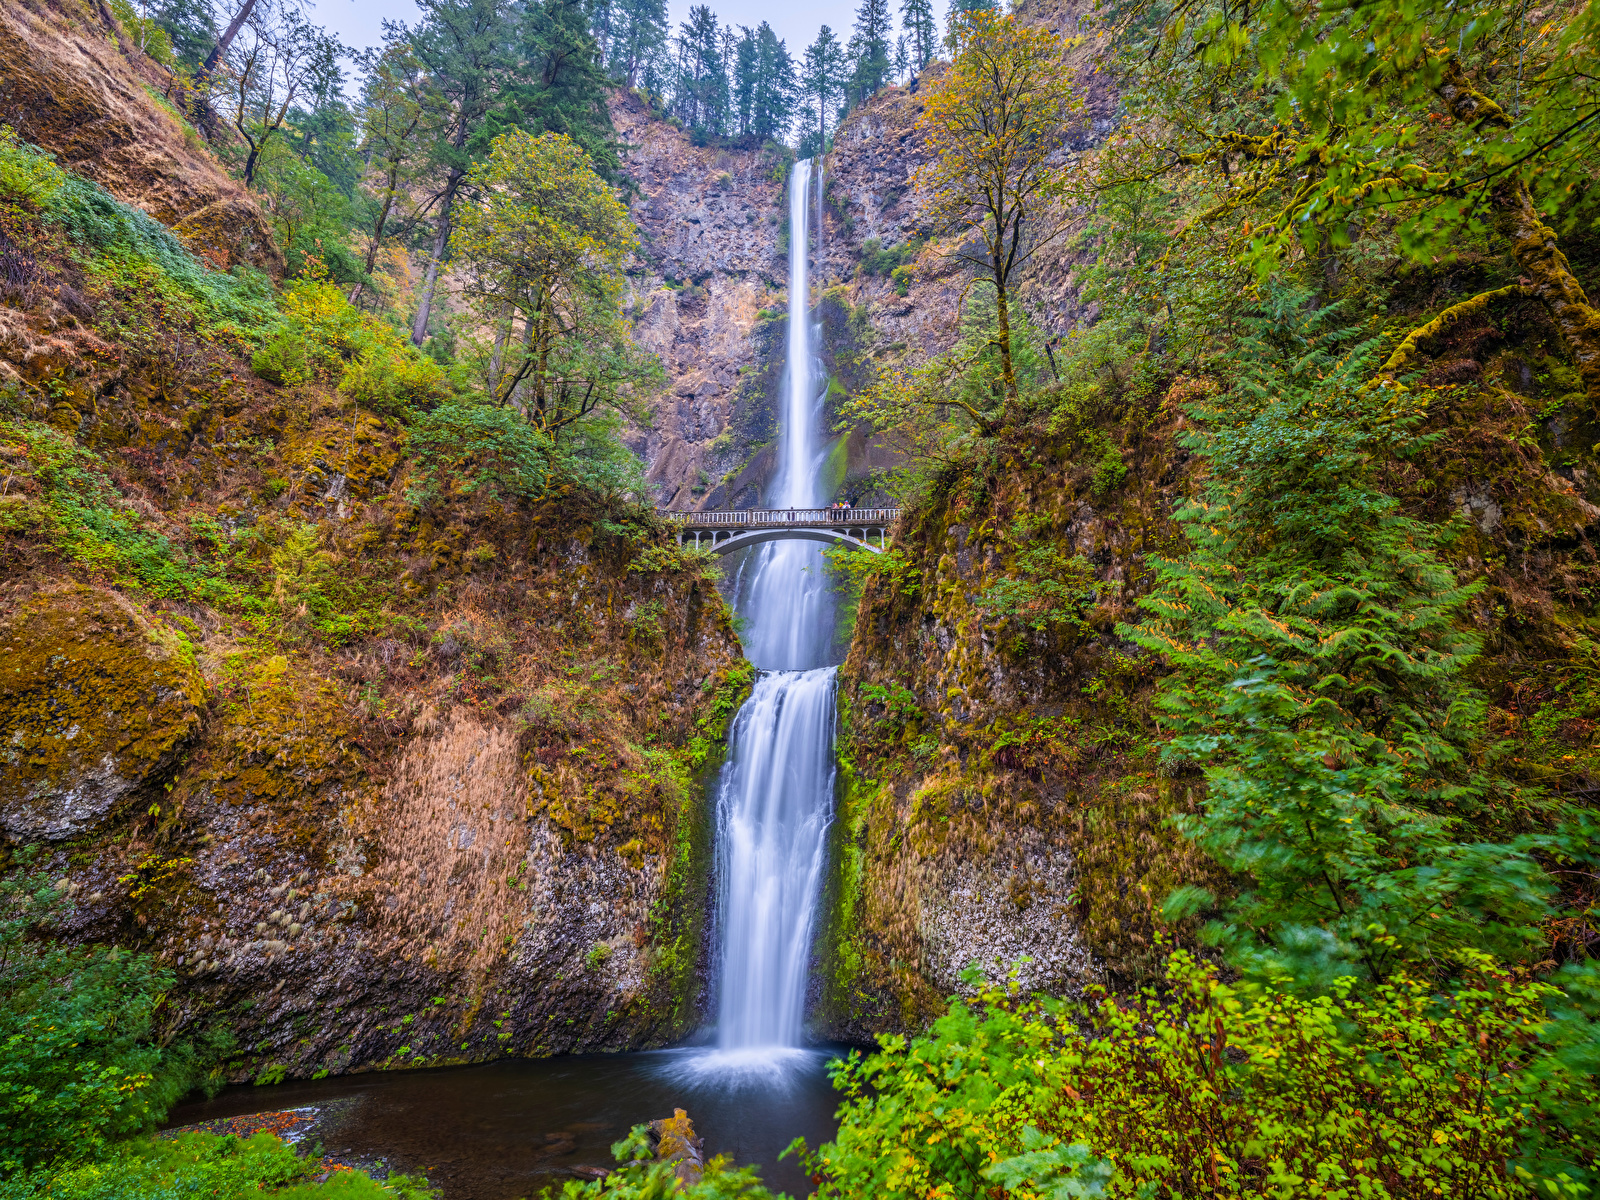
{"type": "Point", "coordinates": [775, 794]}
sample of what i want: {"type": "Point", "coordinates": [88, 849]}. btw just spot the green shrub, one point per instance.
{"type": "Point", "coordinates": [203, 1164]}
{"type": "Point", "coordinates": [467, 448]}
{"type": "Point", "coordinates": [324, 338]}
{"type": "Point", "coordinates": [1043, 586]}
{"type": "Point", "coordinates": [1203, 1090]}
{"type": "Point", "coordinates": [82, 1062]}
{"type": "Point", "coordinates": [387, 380]}
{"type": "Point", "coordinates": [901, 278]}
{"type": "Point", "coordinates": [877, 259]}
{"type": "Point", "coordinates": [639, 1177]}
{"type": "Point", "coordinates": [28, 176]}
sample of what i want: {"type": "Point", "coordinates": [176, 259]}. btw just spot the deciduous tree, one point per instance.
{"type": "Point", "coordinates": [995, 124]}
{"type": "Point", "coordinates": [1432, 122]}
{"type": "Point", "coordinates": [466, 48]}
{"type": "Point", "coordinates": [542, 246]}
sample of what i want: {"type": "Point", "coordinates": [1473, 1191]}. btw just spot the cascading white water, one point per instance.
{"type": "Point", "coordinates": [775, 796]}
{"type": "Point", "coordinates": [772, 823]}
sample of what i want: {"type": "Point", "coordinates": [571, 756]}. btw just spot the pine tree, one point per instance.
{"type": "Point", "coordinates": [598, 15]}
{"type": "Point", "coordinates": [700, 97]}
{"type": "Point", "coordinates": [190, 28]}
{"type": "Point", "coordinates": [638, 40]}
{"type": "Point", "coordinates": [822, 80]}
{"type": "Point", "coordinates": [744, 80]}
{"type": "Point", "coordinates": [959, 8]}
{"type": "Point", "coordinates": [869, 49]}
{"type": "Point", "coordinates": [773, 102]}
{"type": "Point", "coordinates": [902, 59]}
{"type": "Point", "coordinates": [916, 18]}
{"type": "Point", "coordinates": [560, 86]}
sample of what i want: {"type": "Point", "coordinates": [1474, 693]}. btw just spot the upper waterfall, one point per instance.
{"type": "Point", "coordinates": [782, 589]}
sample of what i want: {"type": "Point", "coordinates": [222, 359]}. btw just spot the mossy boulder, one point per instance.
{"type": "Point", "coordinates": [96, 702]}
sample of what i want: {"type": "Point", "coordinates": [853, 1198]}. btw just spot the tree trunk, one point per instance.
{"type": "Point", "coordinates": [1003, 335]}
{"type": "Point", "coordinates": [226, 40]}
{"type": "Point", "coordinates": [419, 327]}
{"type": "Point", "coordinates": [377, 238]}
{"type": "Point", "coordinates": [1550, 278]}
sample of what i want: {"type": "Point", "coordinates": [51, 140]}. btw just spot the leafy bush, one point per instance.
{"type": "Point", "coordinates": [1047, 588]}
{"type": "Point", "coordinates": [640, 1177]}
{"type": "Point", "coordinates": [389, 379]}
{"type": "Point", "coordinates": [203, 1164]}
{"type": "Point", "coordinates": [28, 176]}
{"type": "Point", "coordinates": [82, 1062]}
{"type": "Point", "coordinates": [324, 338]}
{"type": "Point", "coordinates": [466, 448]}
{"type": "Point", "coordinates": [876, 259]}
{"type": "Point", "coordinates": [1204, 1091]}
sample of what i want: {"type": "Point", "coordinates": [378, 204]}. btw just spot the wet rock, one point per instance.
{"type": "Point", "coordinates": [673, 1140]}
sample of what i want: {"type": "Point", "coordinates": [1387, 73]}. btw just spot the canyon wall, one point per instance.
{"type": "Point", "coordinates": [391, 769]}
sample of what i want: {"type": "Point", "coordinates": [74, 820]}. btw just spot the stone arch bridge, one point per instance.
{"type": "Point", "coordinates": [725, 532]}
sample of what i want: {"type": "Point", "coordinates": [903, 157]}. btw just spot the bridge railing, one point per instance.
{"type": "Point", "coordinates": [766, 517]}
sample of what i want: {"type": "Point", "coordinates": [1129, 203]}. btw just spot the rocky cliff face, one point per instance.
{"type": "Point", "coordinates": [704, 299]}
{"type": "Point", "coordinates": [67, 85]}
{"type": "Point", "coordinates": [391, 772]}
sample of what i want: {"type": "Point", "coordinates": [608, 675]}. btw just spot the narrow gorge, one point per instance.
{"type": "Point", "coordinates": [558, 580]}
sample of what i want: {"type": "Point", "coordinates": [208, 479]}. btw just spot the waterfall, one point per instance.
{"type": "Point", "coordinates": [775, 795]}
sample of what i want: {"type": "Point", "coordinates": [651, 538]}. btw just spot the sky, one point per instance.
{"type": "Point", "coordinates": [359, 23]}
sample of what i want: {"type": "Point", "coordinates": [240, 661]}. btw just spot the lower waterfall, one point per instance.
{"type": "Point", "coordinates": [773, 810]}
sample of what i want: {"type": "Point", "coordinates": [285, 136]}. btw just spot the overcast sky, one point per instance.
{"type": "Point", "coordinates": [359, 23]}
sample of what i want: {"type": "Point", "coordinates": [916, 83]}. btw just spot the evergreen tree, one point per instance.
{"type": "Point", "coordinates": [916, 18]}
{"type": "Point", "coordinates": [466, 47]}
{"type": "Point", "coordinates": [399, 115]}
{"type": "Point", "coordinates": [189, 26]}
{"type": "Point", "coordinates": [598, 15]}
{"type": "Point", "coordinates": [822, 81]}
{"type": "Point", "coordinates": [869, 49]}
{"type": "Point", "coordinates": [700, 97]}
{"type": "Point", "coordinates": [638, 38]}
{"type": "Point", "coordinates": [744, 80]}
{"type": "Point", "coordinates": [959, 8]}
{"type": "Point", "coordinates": [902, 59]}
{"type": "Point", "coordinates": [561, 87]}
{"type": "Point", "coordinates": [326, 126]}
{"type": "Point", "coordinates": [772, 105]}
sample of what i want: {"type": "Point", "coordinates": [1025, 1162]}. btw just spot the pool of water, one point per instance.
{"type": "Point", "coordinates": [510, 1129]}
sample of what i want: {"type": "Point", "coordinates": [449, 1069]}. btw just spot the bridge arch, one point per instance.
{"type": "Point", "coordinates": [726, 541]}
{"type": "Point", "coordinates": [724, 531]}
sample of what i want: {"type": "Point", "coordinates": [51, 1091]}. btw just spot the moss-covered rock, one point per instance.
{"type": "Point", "coordinates": [96, 702]}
